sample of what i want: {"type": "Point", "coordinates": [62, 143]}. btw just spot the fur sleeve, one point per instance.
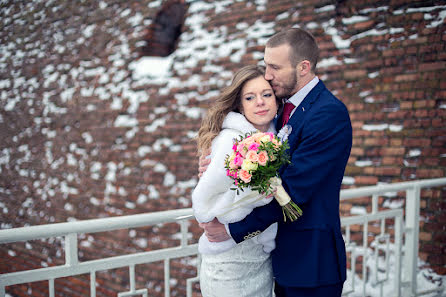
{"type": "Point", "coordinates": [214, 182]}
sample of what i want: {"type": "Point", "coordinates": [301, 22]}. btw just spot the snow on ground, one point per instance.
{"type": "Point", "coordinates": [381, 272]}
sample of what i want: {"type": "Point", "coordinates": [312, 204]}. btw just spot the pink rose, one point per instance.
{"type": "Point", "coordinates": [245, 176]}
{"type": "Point", "coordinates": [232, 173]}
{"type": "Point", "coordinates": [254, 146]}
{"type": "Point", "coordinates": [242, 149]}
{"type": "Point", "coordinates": [238, 160]}
{"type": "Point", "coordinates": [263, 158]}
{"type": "Point", "coordinates": [252, 156]}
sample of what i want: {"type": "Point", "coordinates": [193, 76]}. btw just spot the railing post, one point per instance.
{"type": "Point", "coordinates": [51, 287]}
{"type": "Point", "coordinates": [375, 203]}
{"type": "Point", "coordinates": [412, 227]}
{"type": "Point", "coordinates": [71, 257]}
{"type": "Point", "coordinates": [167, 277]}
{"type": "Point", "coordinates": [132, 278]}
{"type": "Point", "coordinates": [364, 254]}
{"type": "Point", "coordinates": [398, 243]}
{"type": "Point", "coordinates": [184, 228]}
{"type": "Point", "coordinates": [2, 290]}
{"type": "Point", "coordinates": [93, 283]}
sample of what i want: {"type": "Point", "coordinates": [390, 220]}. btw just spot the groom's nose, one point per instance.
{"type": "Point", "coordinates": [268, 75]}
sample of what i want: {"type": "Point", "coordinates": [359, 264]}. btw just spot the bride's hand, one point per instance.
{"type": "Point", "coordinates": [215, 231]}
{"type": "Point", "coordinates": [204, 162]}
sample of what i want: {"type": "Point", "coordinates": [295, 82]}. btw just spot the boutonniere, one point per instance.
{"type": "Point", "coordinates": [284, 133]}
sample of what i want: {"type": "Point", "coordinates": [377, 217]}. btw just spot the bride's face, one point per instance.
{"type": "Point", "coordinates": [258, 103]}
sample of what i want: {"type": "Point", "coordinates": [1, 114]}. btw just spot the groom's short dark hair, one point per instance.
{"type": "Point", "coordinates": [303, 45]}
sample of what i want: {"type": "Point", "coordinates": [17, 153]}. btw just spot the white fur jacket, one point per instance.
{"type": "Point", "coordinates": [213, 198]}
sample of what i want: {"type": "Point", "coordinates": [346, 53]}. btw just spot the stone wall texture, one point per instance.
{"type": "Point", "coordinates": [89, 131]}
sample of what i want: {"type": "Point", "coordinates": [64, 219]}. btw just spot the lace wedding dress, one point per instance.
{"type": "Point", "coordinates": [243, 271]}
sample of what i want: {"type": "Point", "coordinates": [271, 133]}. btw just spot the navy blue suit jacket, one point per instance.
{"type": "Point", "coordinates": [310, 251]}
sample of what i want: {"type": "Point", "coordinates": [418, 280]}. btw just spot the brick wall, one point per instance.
{"type": "Point", "coordinates": [83, 135]}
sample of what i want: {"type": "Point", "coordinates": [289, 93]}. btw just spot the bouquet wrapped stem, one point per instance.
{"type": "Point", "coordinates": [289, 208]}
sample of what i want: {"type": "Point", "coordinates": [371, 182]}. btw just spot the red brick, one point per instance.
{"type": "Point", "coordinates": [392, 171]}
{"type": "Point", "coordinates": [354, 74]}
{"type": "Point", "coordinates": [393, 151]}
{"type": "Point", "coordinates": [432, 66]}
{"type": "Point", "coordinates": [366, 180]}
{"type": "Point", "coordinates": [430, 173]}
{"type": "Point", "coordinates": [406, 77]}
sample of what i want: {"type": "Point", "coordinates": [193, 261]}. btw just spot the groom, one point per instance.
{"type": "Point", "coordinates": [309, 258]}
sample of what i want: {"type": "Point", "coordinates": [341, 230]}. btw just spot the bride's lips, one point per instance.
{"type": "Point", "coordinates": [262, 112]}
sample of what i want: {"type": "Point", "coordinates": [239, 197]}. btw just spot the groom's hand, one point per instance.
{"type": "Point", "coordinates": [204, 162]}
{"type": "Point", "coordinates": [215, 231]}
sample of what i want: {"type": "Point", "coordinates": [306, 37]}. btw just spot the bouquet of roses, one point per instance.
{"type": "Point", "coordinates": [255, 161]}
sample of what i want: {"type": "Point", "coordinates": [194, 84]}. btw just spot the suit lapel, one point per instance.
{"type": "Point", "coordinates": [298, 118]}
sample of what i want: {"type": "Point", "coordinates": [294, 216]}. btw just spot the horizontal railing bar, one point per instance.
{"type": "Point", "coordinates": [371, 217]}
{"type": "Point", "coordinates": [380, 189]}
{"type": "Point", "coordinates": [93, 226]}
{"type": "Point", "coordinates": [97, 265]}
{"type": "Point", "coordinates": [145, 219]}
{"type": "Point", "coordinates": [139, 220]}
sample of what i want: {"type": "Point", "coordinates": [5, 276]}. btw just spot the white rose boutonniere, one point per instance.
{"type": "Point", "coordinates": [284, 133]}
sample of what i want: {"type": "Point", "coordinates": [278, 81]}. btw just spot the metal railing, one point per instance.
{"type": "Point", "coordinates": [403, 247]}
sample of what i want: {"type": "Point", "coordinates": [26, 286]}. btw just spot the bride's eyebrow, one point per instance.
{"type": "Point", "coordinates": [251, 92]}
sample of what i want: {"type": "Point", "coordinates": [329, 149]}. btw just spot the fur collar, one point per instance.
{"type": "Point", "coordinates": [237, 121]}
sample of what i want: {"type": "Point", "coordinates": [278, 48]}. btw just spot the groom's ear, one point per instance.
{"type": "Point", "coordinates": [304, 67]}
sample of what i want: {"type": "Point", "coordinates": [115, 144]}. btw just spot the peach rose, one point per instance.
{"type": "Point", "coordinates": [245, 176]}
{"type": "Point", "coordinates": [251, 156]}
{"type": "Point", "coordinates": [257, 136]}
{"type": "Point", "coordinates": [263, 158]}
{"type": "Point", "coordinates": [249, 140]}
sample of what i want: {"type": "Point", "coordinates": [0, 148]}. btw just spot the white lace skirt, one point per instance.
{"type": "Point", "coordinates": [243, 271]}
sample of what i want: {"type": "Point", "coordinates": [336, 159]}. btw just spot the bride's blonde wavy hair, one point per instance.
{"type": "Point", "coordinates": [228, 100]}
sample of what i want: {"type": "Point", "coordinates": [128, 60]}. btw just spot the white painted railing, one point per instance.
{"type": "Point", "coordinates": [402, 244]}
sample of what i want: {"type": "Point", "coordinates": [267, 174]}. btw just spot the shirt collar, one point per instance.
{"type": "Point", "coordinates": [297, 98]}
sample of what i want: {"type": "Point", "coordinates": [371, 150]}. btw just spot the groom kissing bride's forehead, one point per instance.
{"type": "Point", "coordinates": [308, 258]}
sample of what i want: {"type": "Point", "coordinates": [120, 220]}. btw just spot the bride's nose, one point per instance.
{"type": "Point", "coordinates": [260, 100]}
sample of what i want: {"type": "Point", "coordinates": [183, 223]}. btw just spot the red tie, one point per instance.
{"type": "Point", "coordinates": [286, 112]}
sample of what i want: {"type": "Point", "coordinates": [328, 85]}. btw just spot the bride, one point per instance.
{"type": "Point", "coordinates": [228, 269]}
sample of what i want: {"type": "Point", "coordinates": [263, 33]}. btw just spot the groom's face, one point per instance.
{"type": "Point", "coordinates": [280, 72]}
